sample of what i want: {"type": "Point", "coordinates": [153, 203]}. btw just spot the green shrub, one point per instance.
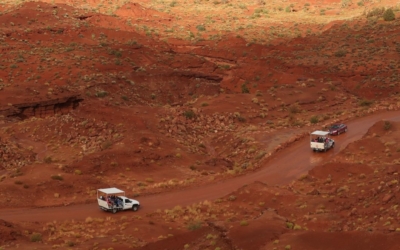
{"type": "Point", "coordinates": [314, 119]}
{"type": "Point", "coordinates": [35, 237]}
{"type": "Point", "coordinates": [387, 125]}
{"type": "Point", "coordinates": [189, 114]}
{"type": "Point", "coordinates": [48, 160]}
{"type": "Point", "coordinates": [241, 119]}
{"type": "Point", "coordinates": [294, 109]}
{"type": "Point", "coordinates": [245, 89]}
{"type": "Point", "coordinates": [194, 225]}
{"type": "Point", "coordinates": [244, 223]}
{"type": "Point", "coordinates": [340, 53]}
{"type": "Point", "coordinates": [57, 177]}
{"type": "Point", "coordinates": [289, 225]}
{"type": "Point", "coordinates": [388, 15]}
{"type": "Point", "coordinates": [101, 94]}
{"type": "Point", "coordinates": [365, 103]}
{"type": "Point", "coordinates": [200, 28]}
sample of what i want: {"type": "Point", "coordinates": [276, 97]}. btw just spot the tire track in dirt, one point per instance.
{"type": "Point", "coordinates": [282, 168]}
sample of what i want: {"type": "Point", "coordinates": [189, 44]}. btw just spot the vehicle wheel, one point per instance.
{"type": "Point", "coordinates": [135, 208]}
{"type": "Point", "coordinates": [338, 133]}
{"type": "Point", "coordinates": [324, 149]}
{"type": "Point", "coordinates": [345, 130]}
{"type": "Point", "coordinates": [333, 145]}
{"type": "Point", "coordinates": [114, 210]}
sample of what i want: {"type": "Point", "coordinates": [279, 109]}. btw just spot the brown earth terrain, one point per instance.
{"type": "Point", "coordinates": [202, 111]}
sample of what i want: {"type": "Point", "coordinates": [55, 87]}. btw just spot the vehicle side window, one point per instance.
{"type": "Point", "coordinates": [127, 201]}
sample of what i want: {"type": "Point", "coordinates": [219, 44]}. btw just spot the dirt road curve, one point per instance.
{"type": "Point", "coordinates": [284, 167]}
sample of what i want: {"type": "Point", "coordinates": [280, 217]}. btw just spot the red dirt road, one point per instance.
{"type": "Point", "coordinates": [284, 167]}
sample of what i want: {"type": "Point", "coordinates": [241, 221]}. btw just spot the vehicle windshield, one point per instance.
{"type": "Point", "coordinates": [335, 126]}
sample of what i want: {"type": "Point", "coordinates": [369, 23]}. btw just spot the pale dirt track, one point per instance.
{"type": "Point", "coordinates": [282, 168]}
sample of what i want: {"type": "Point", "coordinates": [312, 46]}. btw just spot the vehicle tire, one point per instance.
{"type": "Point", "coordinates": [114, 210]}
{"type": "Point", "coordinates": [338, 133]}
{"type": "Point", "coordinates": [324, 149]}
{"type": "Point", "coordinates": [345, 130]}
{"type": "Point", "coordinates": [135, 208]}
{"type": "Point", "coordinates": [333, 145]}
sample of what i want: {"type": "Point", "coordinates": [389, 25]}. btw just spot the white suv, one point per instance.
{"type": "Point", "coordinates": [114, 200]}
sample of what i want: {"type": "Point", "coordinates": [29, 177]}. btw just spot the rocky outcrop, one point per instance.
{"type": "Point", "coordinates": [46, 108]}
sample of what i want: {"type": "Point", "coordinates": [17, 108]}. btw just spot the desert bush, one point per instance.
{"type": "Point", "coordinates": [294, 109]}
{"type": "Point", "coordinates": [340, 53]}
{"type": "Point", "coordinates": [70, 243]}
{"type": "Point", "coordinates": [232, 198]}
{"type": "Point", "coordinates": [194, 225]}
{"type": "Point", "coordinates": [149, 180]}
{"type": "Point", "coordinates": [289, 225]}
{"type": "Point", "coordinates": [297, 227]}
{"type": "Point", "coordinates": [376, 12]}
{"type": "Point", "coordinates": [346, 3]}
{"type": "Point", "coordinates": [365, 103]}
{"type": "Point", "coordinates": [101, 94]}
{"type": "Point", "coordinates": [106, 144]}
{"type": "Point", "coordinates": [78, 172]}
{"type": "Point", "coordinates": [244, 223]}
{"type": "Point", "coordinates": [245, 89]}
{"type": "Point", "coordinates": [260, 155]}
{"type": "Point", "coordinates": [48, 160]}
{"type": "Point", "coordinates": [388, 15]}
{"type": "Point", "coordinates": [241, 119]}
{"type": "Point", "coordinates": [387, 125]}
{"type": "Point", "coordinates": [35, 237]}
{"type": "Point", "coordinates": [57, 177]}
{"type": "Point", "coordinates": [314, 119]}
{"type": "Point", "coordinates": [204, 104]}
{"type": "Point", "coordinates": [189, 114]}
{"type": "Point", "coordinates": [200, 28]}
{"type": "Point", "coordinates": [18, 182]}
